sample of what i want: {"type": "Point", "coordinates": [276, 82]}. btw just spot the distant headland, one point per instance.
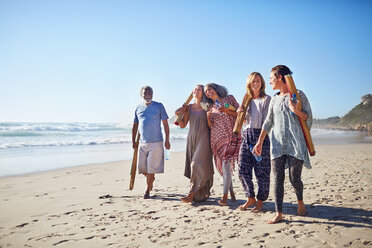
{"type": "Point", "coordinates": [358, 119]}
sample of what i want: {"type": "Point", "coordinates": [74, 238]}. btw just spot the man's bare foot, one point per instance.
{"type": "Point", "coordinates": [223, 200]}
{"type": "Point", "coordinates": [147, 195]}
{"type": "Point", "coordinates": [233, 198]}
{"type": "Point", "coordinates": [258, 207]}
{"type": "Point", "coordinates": [278, 217]}
{"type": "Point", "coordinates": [187, 199]}
{"type": "Point", "coordinates": [250, 201]}
{"type": "Point", "coordinates": [301, 210]}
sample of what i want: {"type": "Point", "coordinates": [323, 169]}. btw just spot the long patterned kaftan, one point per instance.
{"type": "Point", "coordinates": [225, 144]}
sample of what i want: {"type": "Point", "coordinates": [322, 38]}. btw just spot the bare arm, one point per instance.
{"type": "Point", "coordinates": [166, 131]}
{"type": "Point", "coordinates": [209, 114]}
{"type": "Point", "coordinates": [233, 103]}
{"type": "Point", "coordinates": [185, 111]}
{"type": "Point", "coordinates": [229, 112]}
{"type": "Point", "coordinates": [134, 133]}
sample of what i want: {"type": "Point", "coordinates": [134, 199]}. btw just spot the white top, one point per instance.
{"type": "Point", "coordinates": [257, 112]}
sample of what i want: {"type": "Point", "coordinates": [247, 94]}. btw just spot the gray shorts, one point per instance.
{"type": "Point", "coordinates": [151, 158]}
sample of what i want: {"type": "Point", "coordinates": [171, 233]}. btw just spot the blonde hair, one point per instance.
{"type": "Point", "coordinates": [250, 81]}
{"type": "Point", "coordinates": [249, 85]}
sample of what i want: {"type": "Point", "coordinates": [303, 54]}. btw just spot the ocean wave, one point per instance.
{"type": "Point", "coordinates": [328, 132]}
{"type": "Point", "coordinates": [60, 143]}
{"type": "Point", "coordinates": [80, 141]}
{"type": "Point", "coordinates": [22, 134]}
{"type": "Point", "coordinates": [19, 134]}
{"type": "Point", "coordinates": [61, 127]}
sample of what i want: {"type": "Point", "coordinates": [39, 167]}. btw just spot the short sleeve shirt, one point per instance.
{"type": "Point", "coordinates": [149, 118]}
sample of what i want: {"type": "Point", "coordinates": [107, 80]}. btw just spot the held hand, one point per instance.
{"type": "Point", "coordinates": [293, 106]}
{"type": "Point", "coordinates": [222, 109]}
{"type": "Point", "coordinates": [257, 149]}
{"type": "Point", "coordinates": [240, 109]}
{"type": "Point", "coordinates": [209, 114]}
{"type": "Point", "coordinates": [134, 145]}
{"type": "Point", "coordinates": [181, 110]}
{"type": "Point", "coordinates": [167, 145]}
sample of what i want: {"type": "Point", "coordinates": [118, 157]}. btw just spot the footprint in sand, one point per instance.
{"type": "Point", "coordinates": [105, 196]}
{"type": "Point", "coordinates": [22, 225]}
{"type": "Point", "coordinates": [59, 224]}
{"type": "Point", "coordinates": [60, 242]}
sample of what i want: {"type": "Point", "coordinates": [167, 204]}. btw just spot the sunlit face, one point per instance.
{"type": "Point", "coordinates": [147, 95]}
{"type": "Point", "coordinates": [211, 93]}
{"type": "Point", "coordinates": [274, 81]}
{"type": "Point", "coordinates": [198, 92]}
{"type": "Point", "coordinates": [256, 84]}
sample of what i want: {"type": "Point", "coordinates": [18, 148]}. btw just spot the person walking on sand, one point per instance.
{"type": "Point", "coordinates": [224, 143]}
{"type": "Point", "coordinates": [147, 118]}
{"type": "Point", "coordinates": [199, 163]}
{"type": "Point", "coordinates": [288, 147]}
{"type": "Point", "coordinates": [255, 116]}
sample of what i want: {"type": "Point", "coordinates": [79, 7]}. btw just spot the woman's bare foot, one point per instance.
{"type": "Point", "coordinates": [233, 198]}
{"type": "Point", "coordinates": [258, 207]}
{"type": "Point", "coordinates": [223, 200]}
{"type": "Point", "coordinates": [187, 199]}
{"type": "Point", "coordinates": [250, 201]}
{"type": "Point", "coordinates": [301, 210]}
{"type": "Point", "coordinates": [278, 217]}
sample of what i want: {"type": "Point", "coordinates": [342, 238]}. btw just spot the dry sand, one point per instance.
{"type": "Point", "coordinates": [91, 206]}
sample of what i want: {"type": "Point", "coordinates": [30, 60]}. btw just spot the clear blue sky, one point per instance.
{"type": "Point", "coordinates": [85, 61]}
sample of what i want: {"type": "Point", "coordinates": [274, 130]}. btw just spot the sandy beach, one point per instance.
{"type": "Point", "coordinates": [91, 206]}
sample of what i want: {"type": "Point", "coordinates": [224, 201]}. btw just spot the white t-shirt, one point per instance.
{"type": "Point", "coordinates": [257, 112]}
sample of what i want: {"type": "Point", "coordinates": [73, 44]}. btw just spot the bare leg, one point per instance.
{"type": "Point", "coordinates": [301, 208]}
{"type": "Point", "coordinates": [150, 181]}
{"type": "Point", "coordinates": [232, 194]}
{"type": "Point", "coordinates": [223, 200]}
{"type": "Point", "coordinates": [250, 201]}
{"type": "Point", "coordinates": [258, 207]}
{"type": "Point", "coordinates": [277, 218]}
{"type": "Point", "coordinates": [188, 198]}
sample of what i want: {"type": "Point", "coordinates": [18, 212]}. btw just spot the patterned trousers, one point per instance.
{"type": "Point", "coordinates": [247, 163]}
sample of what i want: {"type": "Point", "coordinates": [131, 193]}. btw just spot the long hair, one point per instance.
{"type": "Point", "coordinates": [250, 81]}
{"type": "Point", "coordinates": [204, 101]}
{"type": "Point", "coordinates": [220, 90]}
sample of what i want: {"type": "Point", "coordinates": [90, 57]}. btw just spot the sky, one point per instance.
{"type": "Point", "coordinates": [85, 61]}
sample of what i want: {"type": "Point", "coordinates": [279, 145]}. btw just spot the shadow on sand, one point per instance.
{"type": "Point", "coordinates": [321, 214]}
{"type": "Point", "coordinates": [331, 215]}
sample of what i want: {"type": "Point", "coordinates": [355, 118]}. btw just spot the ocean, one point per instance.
{"type": "Point", "coordinates": [32, 147]}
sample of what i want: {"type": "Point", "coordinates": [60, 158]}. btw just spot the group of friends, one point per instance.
{"type": "Point", "coordinates": [272, 130]}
